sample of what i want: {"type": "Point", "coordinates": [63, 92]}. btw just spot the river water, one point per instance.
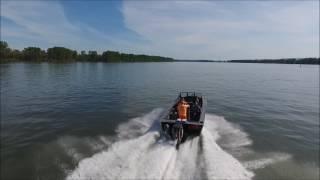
{"type": "Point", "coordinates": [101, 120]}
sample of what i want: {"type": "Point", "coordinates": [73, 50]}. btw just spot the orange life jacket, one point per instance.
{"type": "Point", "coordinates": [182, 110]}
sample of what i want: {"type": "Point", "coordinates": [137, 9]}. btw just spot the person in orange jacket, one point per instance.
{"type": "Point", "coordinates": [183, 108]}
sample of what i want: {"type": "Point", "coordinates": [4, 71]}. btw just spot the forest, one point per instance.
{"type": "Point", "coordinates": [62, 54]}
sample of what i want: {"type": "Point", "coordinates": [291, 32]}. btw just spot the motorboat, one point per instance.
{"type": "Point", "coordinates": [179, 130]}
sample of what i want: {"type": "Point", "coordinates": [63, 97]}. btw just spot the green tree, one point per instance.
{"type": "Point", "coordinates": [33, 54]}
{"type": "Point", "coordinates": [65, 54]}
{"type": "Point", "coordinates": [83, 53]}
{"type": "Point", "coordinates": [16, 54]}
{"type": "Point", "coordinates": [61, 53]}
{"type": "Point", "coordinates": [104, 56]}
{"type": "Point", "coordinates": [82, 56]}
{"type": "Point", "coordinates": [4, 50]}
{"type": "Point", "coordinates": [111, 56]}
{"type": "Point", "coordinates": [93, 56]}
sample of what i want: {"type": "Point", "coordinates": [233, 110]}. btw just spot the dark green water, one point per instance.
{"type": "Point", "coordinates": [60, 120]}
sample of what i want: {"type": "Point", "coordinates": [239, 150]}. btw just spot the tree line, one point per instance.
{"type": "Point", "coordinates": [310, 60]}
{"type": "Point", "coordinates": [62, 54]}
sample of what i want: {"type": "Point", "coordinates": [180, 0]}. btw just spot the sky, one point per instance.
{"type": "Point", "coordinates": [185, 29]}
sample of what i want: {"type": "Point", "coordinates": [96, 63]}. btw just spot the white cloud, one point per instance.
{"type": "Point", "coordinates": [44, 24]}
{"type": "Point", "coordinates": [44, 19]}
{"type": "Point", "coordinates": [225, 30]}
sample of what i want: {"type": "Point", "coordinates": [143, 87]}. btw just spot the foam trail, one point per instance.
{"type": "Point", "coordinates": [263, 162]}
{"type": "Point", "coordinates": [183, 163]}
{"type": "Point", "coordinates": [232, 136]}
{"type": "Point", "coordinates": [221, 165]}
{"type": "Point", "coordinates": [79, 148]}
{"type": "Point", "coordinates": [117, 162]}
{"type": "Point", "coordinates": [140, 153]}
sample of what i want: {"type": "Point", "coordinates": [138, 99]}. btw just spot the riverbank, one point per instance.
{"type": "Point", "coordinates": [65, 55]}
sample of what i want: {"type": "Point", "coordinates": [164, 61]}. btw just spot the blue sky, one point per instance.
{"type": "Point", "coordinates": [178, 29]}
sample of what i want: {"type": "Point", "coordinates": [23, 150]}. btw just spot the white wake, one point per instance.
{"type": "Point", "coordinates": [141, 153]}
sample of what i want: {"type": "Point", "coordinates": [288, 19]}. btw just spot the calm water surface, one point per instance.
{"type": "Point", "coordinates": [55, 115]}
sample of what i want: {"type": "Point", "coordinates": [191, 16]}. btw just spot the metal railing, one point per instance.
{"type": "Point", "coordinates": [185, 94]}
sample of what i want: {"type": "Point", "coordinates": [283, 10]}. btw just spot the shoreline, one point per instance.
{"type": "Point", "coordinates": [316, 61]}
